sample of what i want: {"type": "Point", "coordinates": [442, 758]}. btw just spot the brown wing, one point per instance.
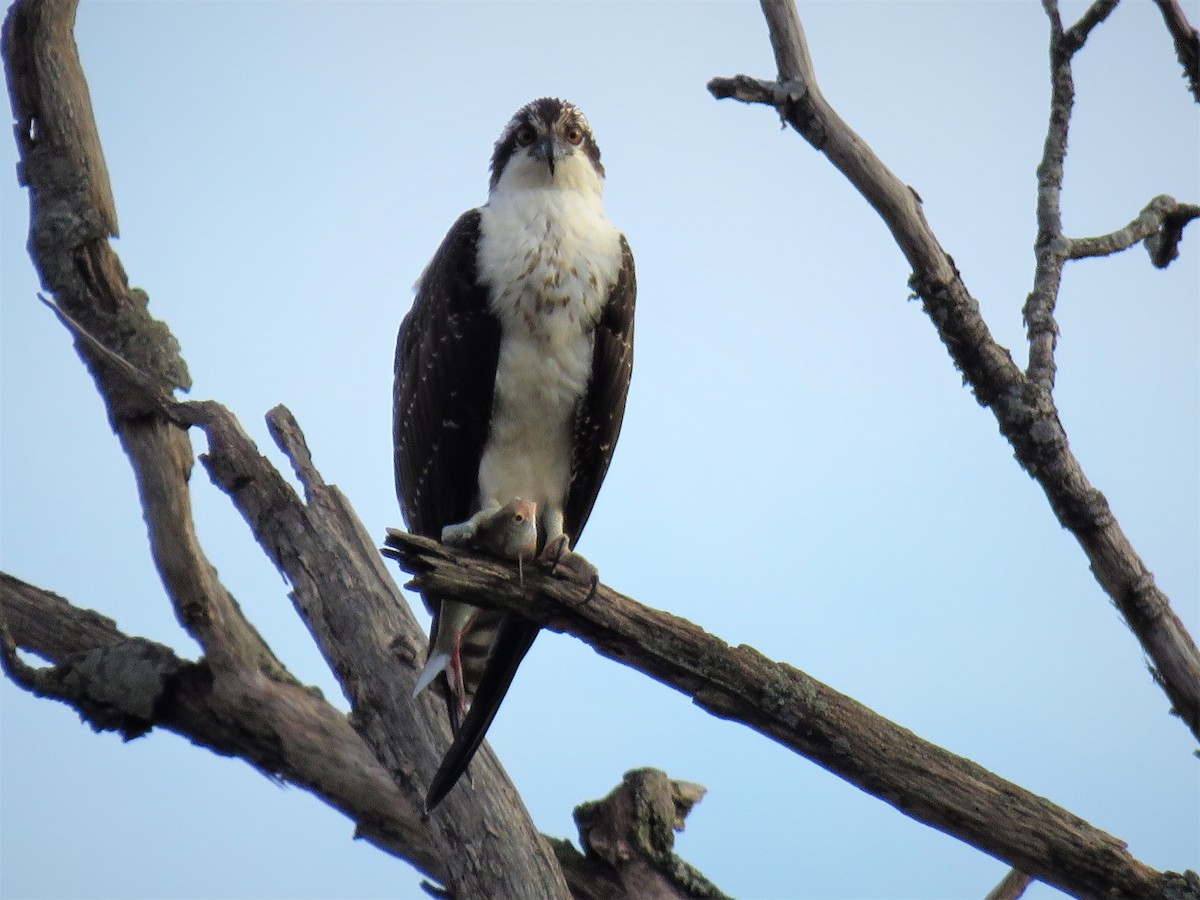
{"type": "Point", "coordinates": [598, 422]}
{"type": "Point", "coordinates": [446, 357]}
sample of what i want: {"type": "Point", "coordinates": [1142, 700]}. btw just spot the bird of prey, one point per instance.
{"type": "Point", "coordinates": [512, 369]}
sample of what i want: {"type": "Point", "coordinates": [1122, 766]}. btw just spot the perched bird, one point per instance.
{"type": "Point", "coordinates": [512, 369]}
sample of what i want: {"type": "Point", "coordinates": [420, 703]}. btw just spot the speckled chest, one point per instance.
{"type": "Point", "coordinates": [549, 259]}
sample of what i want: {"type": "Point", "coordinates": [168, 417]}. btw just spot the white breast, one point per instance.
{"type": "Point", "coordinates": [550, 259]}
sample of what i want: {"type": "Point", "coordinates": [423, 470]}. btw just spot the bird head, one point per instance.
{"type": "Point", "coordinates": [547, 143]}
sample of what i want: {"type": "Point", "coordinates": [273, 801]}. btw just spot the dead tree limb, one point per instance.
{"type": "Point", "coordinates": [627, 839]}
{"type": "Point", "coordinates": [1187, 42]}
{"type": "Point", "coordinates": [1011, 886]}
{"type": "Point", "coordinates": [924, 781]}
{"type": "Point", "coordinates": [1159, 227]}
{"type": "Point", "coordinates": [1021, 402]}
{"type": "Point", "coordinates": [131, 685]}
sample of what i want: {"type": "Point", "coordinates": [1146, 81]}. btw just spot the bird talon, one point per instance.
{"type": "Point", "coordinates": [595, 583]}
{"type": "Point", "coordinates": [575, 567]}
{"type": "Point", "coordinates": [553, 553]}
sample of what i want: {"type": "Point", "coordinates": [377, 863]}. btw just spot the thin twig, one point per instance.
{"type": "Point", "coordinates": [1160, 224]}
{"type": "Point", "coordinates": [1049, 247]}
{"type": "Point", "coordinates": [1187, 42]}
{"type": "Point", "coordinates": [1011, 886]}
{"type": "Point", "coordinates": [1075, 36]}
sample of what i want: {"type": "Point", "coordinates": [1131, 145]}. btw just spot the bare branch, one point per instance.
{"type": "Point", "coordinates": [1023, 407]}
{"type": "Point", "coordinates": [283, 729]}
{"type": "Point", "coordinates": [72, 217]}
{"type": "Point", "coordinates": [920, 779]}
{"type": "Point", "coordinates": [131, 685]}
{"type": "Point", "coordinates": [1160, 224]}
{"type": "Point", "coordinates": [1040, 325]}
{"type": "Point", "coordinates": [1077, 34]}
{"type": "Point", "coordinates": [373, 644]}
{"type": "Point", "coordinates": [1187, 42]}
{"type": "Point", "coordinates": [1011, 886]}
{"type": "Point", "coordinates": [1049, 248]}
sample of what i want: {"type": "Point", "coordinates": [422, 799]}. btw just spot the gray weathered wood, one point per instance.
{"type": "Point", "coordinates": [922, 780]}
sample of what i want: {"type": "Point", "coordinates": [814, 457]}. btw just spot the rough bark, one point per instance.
{"type": "Point", "coordinates": [627, 839]}
{"type": "Point", "coordinates": [1022, 402]}
{"type": "Point", "coordinates": [373, 644]}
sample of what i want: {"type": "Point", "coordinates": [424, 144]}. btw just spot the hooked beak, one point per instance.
{"type": "Point", "coordinates": [544, 150]}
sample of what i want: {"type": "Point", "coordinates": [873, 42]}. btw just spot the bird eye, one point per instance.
{"type": "Point", "coordinates": [525, 136]}
{"type": "Point", "coordinates": [575, 134]}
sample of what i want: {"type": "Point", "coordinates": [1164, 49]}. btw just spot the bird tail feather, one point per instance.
{"type": "Point", "coordinates": [514, 636]}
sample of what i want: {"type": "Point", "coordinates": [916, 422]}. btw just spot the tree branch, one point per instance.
{"type": "Point", "coordinates": [1160, 224]}
{"type": "Point", "coordinates": [920, 779]}
{"type": "Point", "coordinates": [1023, 406]}
{"type": "Point", "coordinates": [1187, 42]}
{"type": "Point", "coordinates": [130, 685]}
{"type": "Point", "coordinates": [1049, 250]}
{"type": "Point", "coordinates": [72, 217]}
{"type": "Point", "coordinates": [1075, 36]}
{"type": "Point", "coordinates": [1011, 886]}
{"type": "Point", "coordinates": [374, 644]}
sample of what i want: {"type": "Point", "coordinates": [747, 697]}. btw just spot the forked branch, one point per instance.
{"type": "Point", "coordinates": [132, 685]}
{"type": "Point", "coordinates": [1021, 402]}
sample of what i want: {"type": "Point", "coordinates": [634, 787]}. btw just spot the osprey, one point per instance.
{"type": "Point", "coordinates": [512, 369]}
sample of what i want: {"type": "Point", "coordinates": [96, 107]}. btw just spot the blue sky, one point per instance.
{"type": "Point", "coordinates": [800, 468]}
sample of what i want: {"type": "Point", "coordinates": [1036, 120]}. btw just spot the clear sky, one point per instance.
{"type": "Point", "coordinates": [801, 468]}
